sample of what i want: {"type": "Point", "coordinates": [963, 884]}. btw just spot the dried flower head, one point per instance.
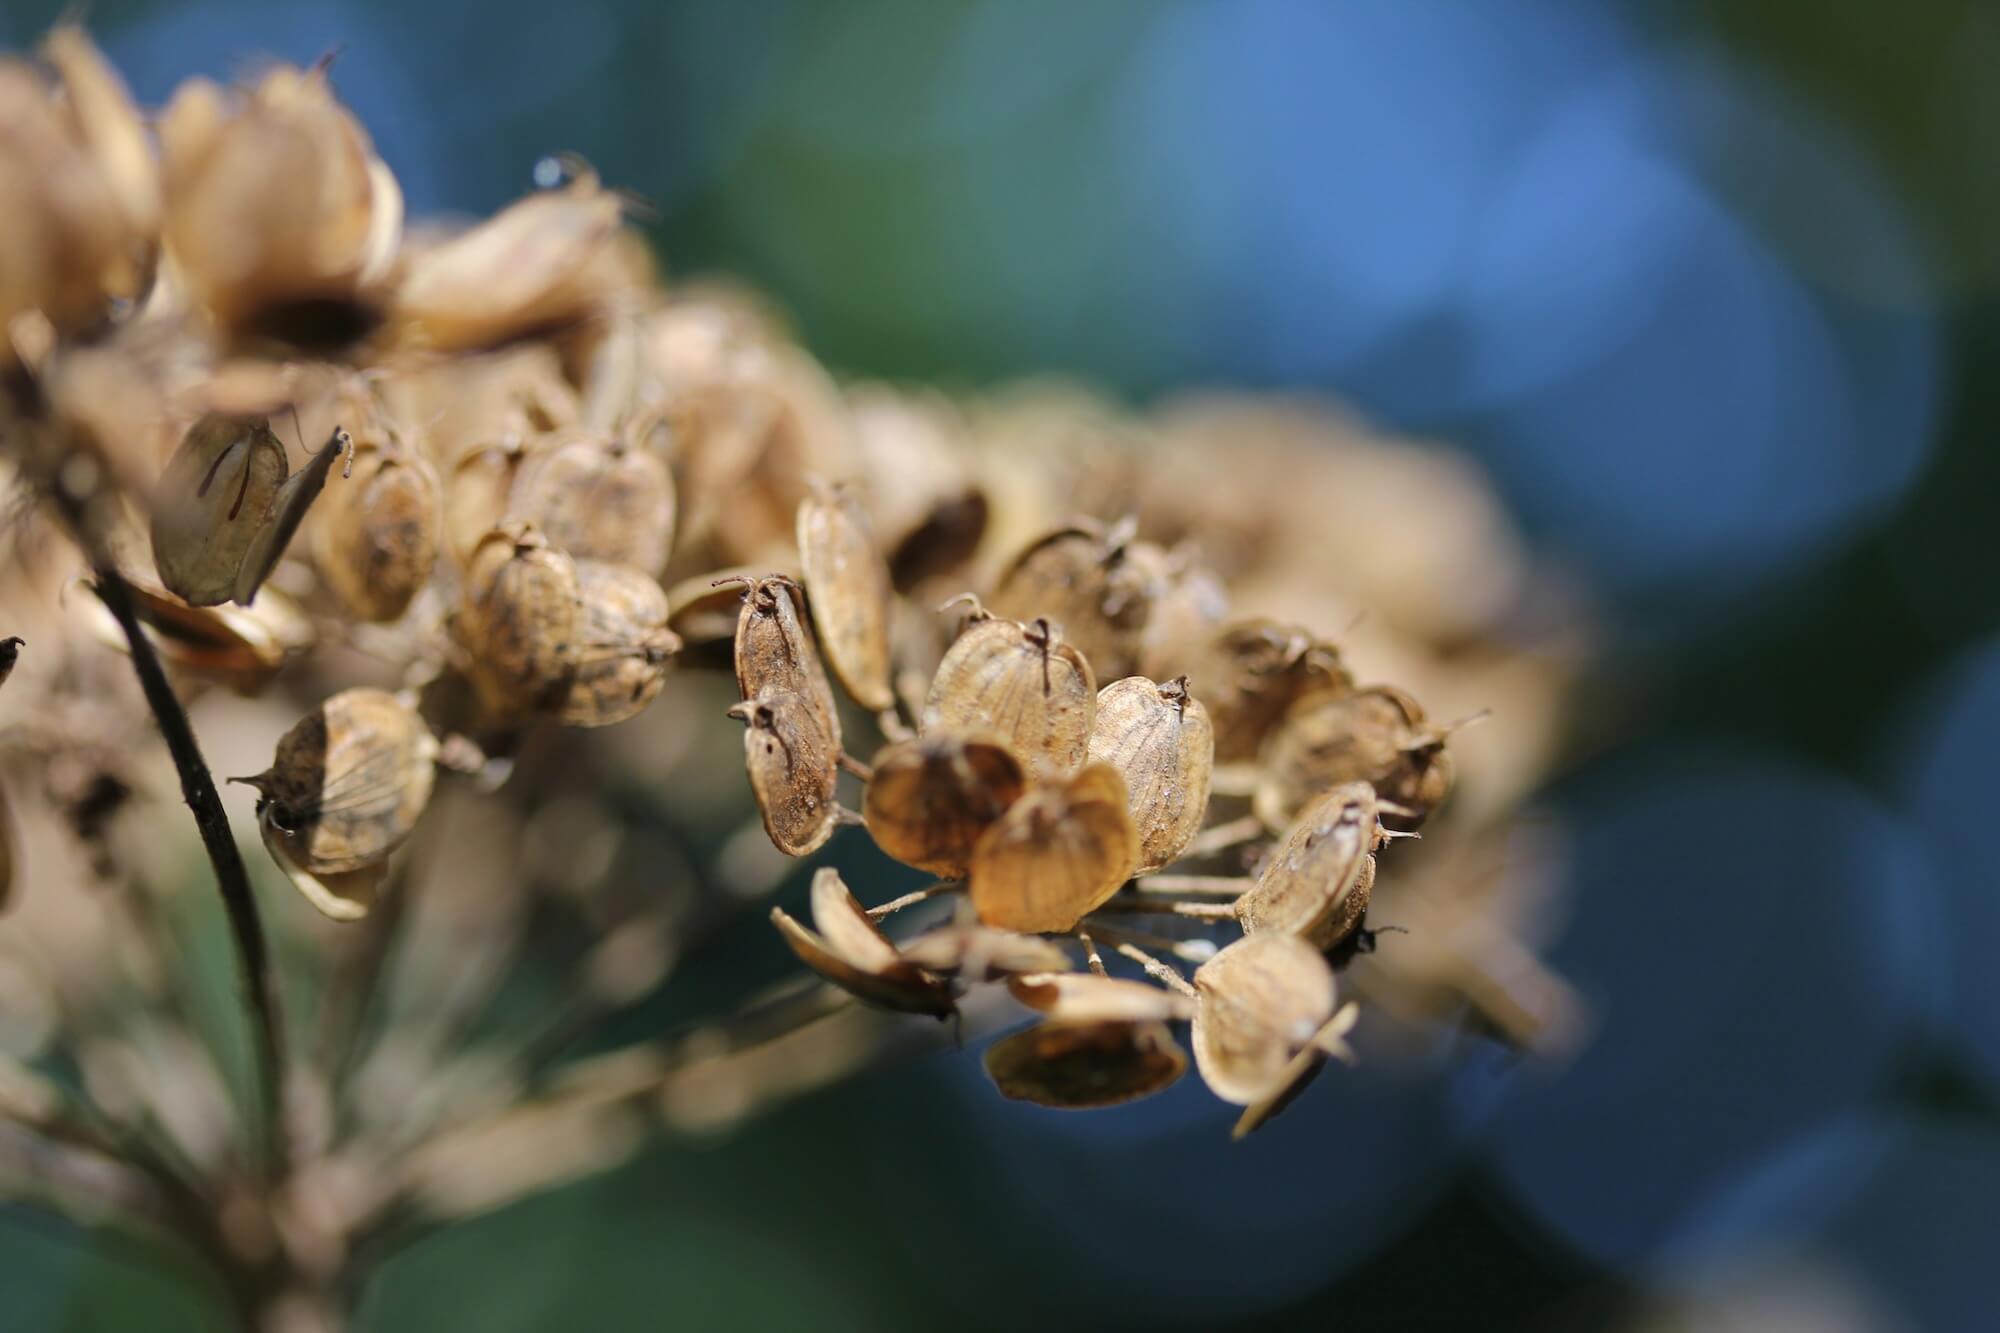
{"type": "Point", "coordinates": [1259, 1003]}
{"type": "Point", "coordinates": [1252, 671]}
{"type": "Point", "coordinates": [375, 538]}
{"type": "Point", "coordinates": [1316, 885]}
{"type": "Point", "coordinates": [598, 498]}
{"type": "Point", "coordinates": [1087, 579]}
{"type": "Point", "coordinates": [775, 653]}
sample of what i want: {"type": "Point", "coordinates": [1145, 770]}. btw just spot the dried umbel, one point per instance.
{"type": "Point", "coordinates": [521, 622]}
{"type": "Point", "coordinates": [848, 583]}
{"type": "Point", "coordinates": [1021, 681]}
{"type": "Point", "coordinates": [1082, 1065]}
{"type": "Point", "coordinates": [851, 951]}
{"type": "Point", "coordinates": [929, 800]}
{"type": "Point", "coordinates": [1086, 579]}
{"type": "Point", "coordinates": [1158, 738]}
{"type": "Point", "coordinates": [1058, 853]}
{"type": "Point", "coordinates": [346, 788]}
{"type": "Point", "coordinates": [598, 498]}
{"type": "Point", "coordinates": [1252, 671]}
{"type": "Point", "coordinates": [1259, 1002]}
{"type": "Point", "coordinates": [375, 538]}
{"type": "Point", "coordinates": [1376, 735]}
{"type": "Point", "coordinates": [623, 645]}
{"type": "Point", "coordinates": [793, 766]}
{"type": "Point", "coordinates": [1316, 885]}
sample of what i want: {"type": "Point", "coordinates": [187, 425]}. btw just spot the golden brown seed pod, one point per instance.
{"type": "Point", "coordinates": [623, 647]}
{"type": "Point", "coordinates": [1316, 885]}
{"type": "Point", "coordinates": [775, 652]}
{"type": "Point", "coordinates": [599, 499]}
{"type": "Point", "coordinates": [850, 950]}
{"type": "Point", "coordinates": [1301, 1069]}
{"type": "Point", "coordinates": [475, 501]}
{"type": "Point", "coordinates": [848, 583]}
{"type": "Point", "coordinates": [1058, 853]}
{"type": "Point", "coordinates": [974, 952]}
{"type": "Point", "coordinates": [1022, 682]}
{"type": "Point", "coordinates": [792, 766]}
{"type": "Point", "coordinates": [1259, 1002]}
{"type": "Point", "coordinates": [1251, 672]}
{"type": "Point", "coordinates": [705, 608]}
{"type": "Point", "coordinates": [1376, 735]}
{"type": "Point", "coordinates": [212, 501]}
{"type": "Point", "coordinates": [520, 622]}
{"type": "Point", "coordinates": [929, 800]}
{"type": "Point", "coordinates": [241, 646]}
{"type": "Point", "coordinates": [1086, 579]}
{"type": "Point", "coordinates": [1085, 997]}
{"type": "Point", "coordinates": [375, 540]}
{"type": "Point", "coordinates": [1158, 738]}
{"type": "Point", "coordinates": [1078, 1066]}
{"type": "Point", "coordinates": [347, 786]}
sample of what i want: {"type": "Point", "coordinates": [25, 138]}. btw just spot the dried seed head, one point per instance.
{"type": "Point", "coordinates": [775, 652]}
{"type": "Point", "coordinates": [792, 766]}
{"type": "Point", "coordinates": [212, 501]}
{"type": "Point", "coordinates": [1084, 997]}
{"type": "Point", "coordinates": [929, 799]}
{"type": "Point", "coordinates": [1316, 885]}
{"type": "Point", "coordinates": [1086, 579]}
{"type": "Point", "coordinates": [347, 786]}
{"type": "Point", "coordinates": [1252, 672]}
{"type": "Point", "coordinates": [1376, 735]}
{"type": "Point", "coordinates": [1259, 1002]}
{"type": "Point", "coordinates": [475, 502]}
{"type": "Point", "coordinates": [520, 622]}
{"type": "Point", "coordinates": [1077, 1066]}
{"type": "Point", "coordinates": [623, 647]}
{"type": "Point", "coordinates": [599, 499]}
{"type": "Point", "coordinates": [973, 952]}
{"type": "Point", "coordinates": [375, 540]}
{"type": "Point", "coordinates": [1159, 740]}
{"type": "Point", "coordinates": [1023, 683]}
{"type": "Point", "coordinates": [1058, 853]}
{"type": "Point", "coordinates": [851, 951]}
{"type": "Point", "coordinates": [848, 583]}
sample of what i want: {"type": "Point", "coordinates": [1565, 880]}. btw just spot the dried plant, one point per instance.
{"type": "Point", "coordinates": [551, 503]}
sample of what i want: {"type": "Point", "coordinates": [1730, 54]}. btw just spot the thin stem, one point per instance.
{"type": "Point", "coordinates": [856, 766]}
{"type": "Point", "coordinates": [1090, 954]}
{"type": "Point", "coordinates": [1221, 837]}
{"type": "Point", "coordinates": [1196, 951]}
{"type": "Point", "coordinates": [1156, 969]}
{"type": "Point", "coordinates": [1231, 886]}
{"type": "Point", "coordinates": [1165, 907]}
{"type": "Point", "coordinates": [895, 905]}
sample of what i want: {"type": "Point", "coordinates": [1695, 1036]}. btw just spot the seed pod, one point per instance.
{"type": "Point", "coordinates": [520, 622]}
{"type": "Point", "coordinates": [1259, 1002]}
{"type": "Point", "coordinates": [848, 583]}
{"type": "Point", "coordinates": [1190, 607]}
{"type": "Point", "coordinates": [599, 499]}
{"type": "Point", "coordinates": [475, 502]}
{"type": "Point", "coordinates": [929, 800]}
{"type": "Point", "coordinates": [347, 786]}
{"type": "Point", "coordinates": [1085, 579]}
{"type": "Point", "coordinates": [1253, 671]}
{"type": "Point", "coordinates": [1158, 738]}
{"type": "Point", "coordinates": [704, 609]}
{"type": "Point", "coordinates": [851, 951]}
{"type": "Point", "coordinates": [1377, 735]}
{"type": "Point", "coordinates": [217, 491]}
{"type": "Point", "coordinates": [1316, 885]}
{"type": "Point", "coordinates": [1021, 681]}
{"type": "Point", "coordinates": [242, 646]}
{"type": "Point", "coordinates": [792, 768]}
{"type": "Point", "coordinates": [973, 952]}
{"type": "Point", "coordinates": [623, 648]}
{"type": "Point", "coordinates": [1085, 997]}
{"type": "Point", "coordinates": [1058, 853]}
{"type": "Point", "coordinates": [10, 653]}
{"type": "Point", "coordinates": [775, 653]}
{"type": "Point", "coordinates": [1077, 1066]}
{"type": "Point", "coordinates": [1300, 1070]}
{"type": "Point", "coordinates": [376, 539]}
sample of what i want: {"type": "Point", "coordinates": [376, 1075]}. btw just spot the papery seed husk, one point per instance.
{"type": "Point", "coordinates": [1258, 1003]}
{"type": "Point", "coordinates": [521, 621]}
{"type": "Point", "coordinates": [704, 611]}
{"type": "Point", "coordinates": [242, 646]}
{"type": "Point", "coordinates": [345, 895]}
{"type": "Point", "coordinates": [1317, 883]}
{"type": "Point", "coordinates": [775, 652]}
{"type": "Point", "coordinates": [1251, 672]}
{"type": "Point", "coordinates": [288, 511]}
{"type": "Point", "coordinates": [1300, 1072]}
{"type": "Point", "coordinates": [1376, 735]}
{"type": "Point", "coordinates": [1082, 579]}
{"type": "Point", "coordinates": [7, 843]}
{"type": "Point", "coordinates": [1190, 608]}
{"type": "Point", "coordinates": [375, 541]}
{"type": "Point", "coordinates": [111, 128]}
{"type": "Point", "coordinates": [213, 499]}
{"type": "Point", "coordinates": [624, 646]}
{"type": "Point", "coordinates": [1158, 738]}
{"type": "Point", "coordinates": [793, 765]}
{"type": "Point", "coordinates": [475, 501]}
{"type": "Point", "coordinates": [850, 950]}
{"type": "Point", "coordinates": [1085, 997]}
{"type": "Point", "coordinates": [1023, 682]}
{"type": "Point", "coordinates": [848, 584]}
{"type": "Point", "coordinates": [348, 783]}
{"type": "Point", "coordinates": [974, 952]}
{"type": "Point", "coordinates": [929, 799]}
{"type": "Point", "coordinates": [1078, 1066]}
{"type": "Point", "coordinates": [599, 499]}
{"type": "Point", "coordinates": [1058, 853]}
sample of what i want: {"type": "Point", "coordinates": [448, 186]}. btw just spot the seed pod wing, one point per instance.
{"type": "Point", "coordinates": [288, 510]}
{"type": "Point", "coordinates": [375, 538]}
{"type": "Point", "coordinates": [1259, 1002]}
{"type": "Point", "coordinates": [792, 767]}
{"type": "Point", "coordinates": [1158, 739]}
{"type": "Point", "coordinates": [1303, 1068]}
{"type": "Point", "coordinates": [1081, 578]}
{"type": "Point", "coordinates": [213, 500]}
{"type": "Point", "coordinates": [1023, 682]}
{"type": "Point", "coordinates": [980, 953]}
{"type": "Point", "coordinates": [848, 582]}
{"type": "Point", "coordinates": [775, 653]}
{"type": "Point", "coordinates": [1317, 884]}
{"type": "Point", "coordinates": [1084, 997]}
{"type": "Point", "coordinates": [850, 951]}
{"type": "Point", "coordinates": [929, 799]}
{"type": "Point", "coordinates": [1058, 853]}
{"type": "Point", "coordinates": [1077, 1066]}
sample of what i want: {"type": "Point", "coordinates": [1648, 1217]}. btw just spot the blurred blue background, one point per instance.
{"type": "Point", "coordinates": [1710, 287]}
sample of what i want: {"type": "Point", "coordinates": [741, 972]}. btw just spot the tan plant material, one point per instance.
{"type": "Point", "coordinates": [1078, 1066]}
{"type": "Point", "coordinates": [1021, 681]}
{"type": "Point", "coordinates": [793, 765]}
{"type": "Point", "coordinates": [477, 493]}
{"type": "Point", "coordinates": [375, 539]}
{"type": "Point", "coordinates": [598, 498]}
{"type": "Point", "coordinates": [848, 584]}
{"type": "Point", "coordinates": [850, 950]}
{"type": "Point", "coordinates": [520, 622]}
{"type": "Point", "coordinates": [1377, 735]}
{"type": "Point", "coordinates": [1088, 579]}
{"type": "Point", "coordinates": [1057, 854]}
{"type": "Point", "coordinates": [972, 952]}
{"type": "Point", "coordinates": [775, 653]}
{"type": "Point", "coordinates": [1259, 1002]}
{"type": "Point", "coordinates": [1252, 671]}
{"type": "Point", "coordinates": [1316, 884]}
{"type": "Point", "coordinates": [623, 645]}
{"type": "Point", "coordinates": [1159, 740]}
{"type": "Point", "coordinates": [1087, 997]}
{"type": "Point", "coordinates": [1328, 1043]}
{"type": "Point", "coordinates": [241, 646]}
{"type": "Point", "coordinates": [929, 800]}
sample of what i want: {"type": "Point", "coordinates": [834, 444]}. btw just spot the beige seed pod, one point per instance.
{"type": "Point", "coordinates": [376, 539]}
{"type": "Point", "coordinates": [775, 652]}
{"type": "Point", "coordinates": [349, 781]}
{"type": "Point", "coordinates": [475, 502]}
{"type": "Point", "coordinates": [1316, 885]}
{"type": "Point", "coordinates": [1190, 609]}
{"type": "Point", "coordinates": [108, 125]}
{"type": "Point", "coordinates": [973, 952]}
{"type": "Point", "coordinates": [792, 766]}
{"type": "Point", "coordinates": [1022, 682]}
{"type": "Point", "coordinates": [1159, 740]}
{"type": "Point", "coordinates": [599, 499]}
{"type": "Point", "coordinates": [1251, 672]}
{"type": "Point", "coordinates": [520, 622]}
{"type": "Point", "coordinates": [1259, 1002]}
{"type": "Point", "coordinates": [1078, 1066]}
{"type": "Point", "coordinates": [1300, 1070]}
{"type": "Point", "coordinates": [1086, 579]}
{"type": "Point", "coordinates": [705, 608]}
{"type": "Point", "coordinates": [217, 490]}
{"type": "Point", "coordinates": [241, 646]}
{"type": "Point", "coordinates": [850, 950]}
{"type": "Point", "coordinates": [848, 583]}
{"type": "Point", "coordinates": [1061, 851]}
{"type": "Point", "coordinates": [623, 646]}
{"type": "Point", "coordinates": [929, 800]}
{"type": "Point", "coordinates": [1086, 997]}
{"type": "Point", "coordinates": [1376, 735]}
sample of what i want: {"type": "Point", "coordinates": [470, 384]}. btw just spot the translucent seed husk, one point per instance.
{"type": "Point", "coordinates": [623, 648]}
{"type": "Point", "coordinates": [375, 540]}
{"type": "Point", "coordinates": [1317, 883]}
{"type": "Point", "coordinates": [1058, 853]}
{"type": "Point", "coordinates": [520, 622]}
{"type": "Point", "coordinates": [929, 799]}
{"type": "Point", "coordinates": [1023, 682]}
{"type": "Point", "coordinates": [848, 583]}
{"type": "Point", "coordinates": [1082, 578]}
{"type": "Point", "coordinates": [1251, 672]}
{"type": "Point", "coordinates": [1085, 997]}
{"type": "Point", "coordinates": [973, 952]}
{"type": "Point", "coordinates": [475, 501]}
{"type": "Point", "coordinates": [1158, 738]}
{"type": "Point", "coordinates": [1258, 1003]}
{"type": "Point", "coordinates": [242, 646]}
{"type": "Point", "coordinates": [1077, 1066]}
{"type": "Point", "coordinates": [212, 500]}
{"type": "Point", "coordinates": [850, 950]}
{"type": "Point", "coordinates": [599, 499]}
{"type": "Point", "coordinates": [1302, 1069]}
{"type": "Point", "coordinates": [775, 652]}
{"type": "Point", "coordinates": [1376, 735]}
{"type": "Point", "coordinates": [793, 766]}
